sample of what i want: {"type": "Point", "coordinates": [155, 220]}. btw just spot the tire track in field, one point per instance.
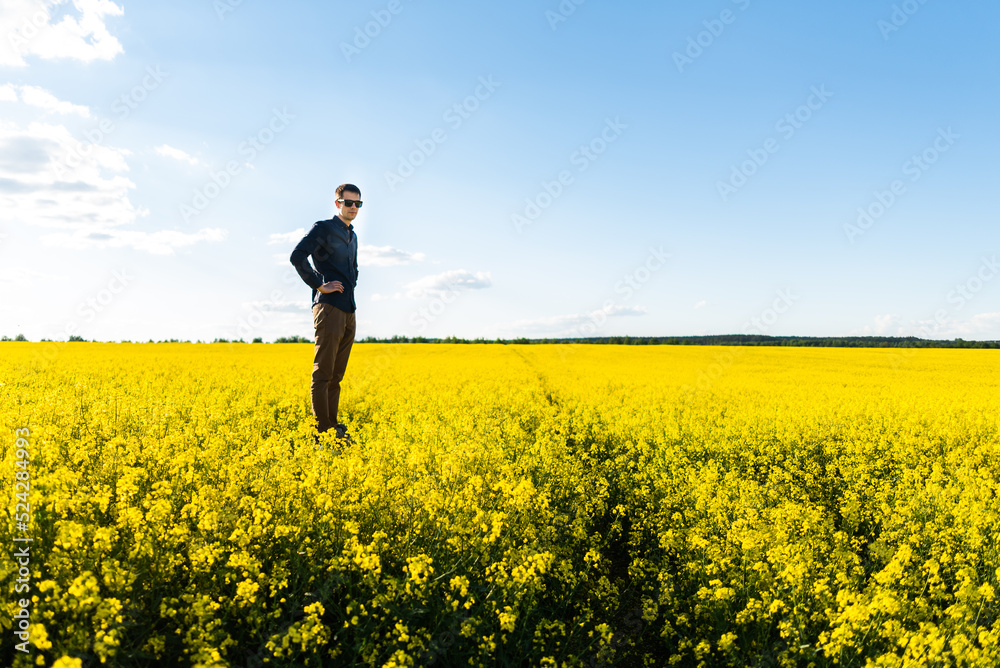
{"type": "Point", "coordinates": [543, 381]}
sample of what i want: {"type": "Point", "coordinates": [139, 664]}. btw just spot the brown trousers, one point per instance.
{"type": "Point", "coordinates": [334, 338]}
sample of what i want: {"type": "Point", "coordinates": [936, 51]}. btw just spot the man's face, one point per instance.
{"type": "Point", "coordinates": [348, 213]}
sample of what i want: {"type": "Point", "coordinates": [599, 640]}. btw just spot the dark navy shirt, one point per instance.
{"type": "Point", "coordinates": [333, 247]}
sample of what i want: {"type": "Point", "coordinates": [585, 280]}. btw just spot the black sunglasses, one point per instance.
{"type": "Point", "coordinates": [351, 202]}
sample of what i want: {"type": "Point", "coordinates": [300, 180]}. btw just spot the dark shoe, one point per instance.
{"type": "Point", "coordinates": [342, 433]}
{"type": "Point", "coordinates": [325, 443]}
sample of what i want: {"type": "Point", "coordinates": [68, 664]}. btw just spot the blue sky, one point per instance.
{"type": "Point", "coordinates": [528, 168]}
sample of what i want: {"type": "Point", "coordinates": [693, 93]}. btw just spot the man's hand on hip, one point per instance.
{"type": "Point", "coordinates": [331, 286]}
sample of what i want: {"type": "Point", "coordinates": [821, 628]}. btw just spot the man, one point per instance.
{"type": "Point", "coordinates": [333, 247]}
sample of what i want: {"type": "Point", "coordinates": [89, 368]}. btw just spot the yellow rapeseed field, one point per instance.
{"type": "Point", "coordinates": [501, 505]}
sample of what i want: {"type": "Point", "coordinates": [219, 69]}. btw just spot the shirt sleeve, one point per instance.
{"type": "Point", "coordinates": [300, 259]}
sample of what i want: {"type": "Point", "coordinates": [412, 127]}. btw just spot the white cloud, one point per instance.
{"type": "Point", "coordinates": [50, 179]}
{"type": "Point", "coordinates": [55, 29]}
{"type": "Point", "coordinates": [700, 305]}
{"type": "Point", "coordinates": [162, 242]}
{"type": "Point", "coordinates": [287, 237]}
{"type": "Point", "coordinates": [575, 324]}
{"type": "Point", "coordinates": [448, 282]}
{"type": "Point", "coordinates": [177, 154]}
{"type": "Point", "coordinates": [386, 256]}
{"type": "Point", "coordinates": [43, 99]}
{"type": "Point", "coordinates": [24, 276]}
{"type": "Point", "coordinates": [885, 325]}
{"type": "Point", "coordinates": [384, 298]}
{"type": "Point", "coordinates": [617, 310]}
{"type": "Point", "coordinates": [982, 326]}
{"type": "Point", "coordinates": [368, 256]}
{"type": "Point", "coordinates": [278, 305]}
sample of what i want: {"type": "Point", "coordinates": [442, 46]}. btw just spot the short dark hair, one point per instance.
{"type": "Point", "coordinates": [350, 187]}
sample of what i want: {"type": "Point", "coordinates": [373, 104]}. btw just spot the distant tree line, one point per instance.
{"type": "Point", "coordinates": [720, 340]}
{"type": "Point", "coordinates": [714, 340]}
